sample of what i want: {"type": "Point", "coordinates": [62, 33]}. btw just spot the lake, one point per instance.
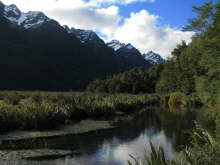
{"type": "Point", "coordinates": [112, 144]}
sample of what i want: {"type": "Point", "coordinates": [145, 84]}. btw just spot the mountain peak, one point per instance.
{"type": "Point", "coordinates": [31, 19]}
{"type": "Point", "coordinates": [86, 36]}
{"type": "Point", "coordinates": [1, 7]}
{"type": "Point", "coordinates": [129, 46]}
{"type": "Point", "coordinates": [153, 57]}
{"type": "Point", "coordinates": [66, 28]}
{"type": "Point", "coordinates": [12, 12]}
{"type": "Point", "coordinates": [115, 44]}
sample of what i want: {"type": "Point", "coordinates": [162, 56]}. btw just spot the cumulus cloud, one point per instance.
{"type": "Point", "coordinates": [75, 13]}
{"type": "Point", "coordinates": [46, 5]}
{"type": "Point", "coordinates": [101, 19]}
{"type": "Point", "coordinates": [122, 2]}
{"type": "Point", "coordinates": [145, 34]}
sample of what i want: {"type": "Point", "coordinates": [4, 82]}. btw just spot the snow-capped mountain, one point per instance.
{"type": "Point", "coordinates": [34, 19]}
{"type": "Point", "coordinates": [117, 46]}
{"type": "Point", "coordinates": [31, 19]}
{"type": "Point", "coordinates": [128, 52]}
{"type": "Point", "coordinates": [154, 58]}
{"type": "Point", "coordinates": [47, 53]}
{"type": "Point", "coordinates": [85, 36]}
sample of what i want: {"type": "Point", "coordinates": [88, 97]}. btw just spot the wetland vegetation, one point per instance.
{"type": "Point", "coordinates": [46, 110]}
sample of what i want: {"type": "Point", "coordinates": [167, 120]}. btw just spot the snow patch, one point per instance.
{"type": "Point", "coordinates": [153, 57]}
{"type": "Point", "coordinates": [27, 20]}
{"type": "Point", "coordinates": [115, 44]}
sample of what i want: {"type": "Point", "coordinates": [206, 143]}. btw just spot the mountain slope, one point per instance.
{"type": "Point", "coordinates": [154, 58]}
{"type": "Point", "coordinates": [128, 55]}
{"type": "Point", "coordinates": [86, 36]}
{"type": "Point", "coordinates": [48, 58]}
{"type": "Point", "coordinates": [31, 19]}
{"type": "Point", "coordinates": [39, 54]}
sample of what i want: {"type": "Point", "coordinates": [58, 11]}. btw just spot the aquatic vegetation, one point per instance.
{"type": "Point", "coordinates": [46, 110]}
{"type": "Point", "coordinates": [203, 150]}
{"type": "Point", "coordinates": [157, 157]}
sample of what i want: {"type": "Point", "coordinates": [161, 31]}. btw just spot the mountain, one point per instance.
{"type": "Point", "coordinates": [123, 49]}
{"type": "Point", "coordinates": [31, 19]}
{"type": "Point", "coordinates": [39, 54]}
{"type": "Point", "coordinates": [129, 54]}
{"type": "Point", "coordinates": [129, 51]}
{"type": "Point", "coordinates": [46, 57]}
{"type": "Point", "coordinates": [115, 44]}
{"type": "Point", "coordinates": [154, 58]}
{"type": "Point", "coordinates": [86, 36]}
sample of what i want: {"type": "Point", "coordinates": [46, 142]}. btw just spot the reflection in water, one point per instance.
{"type": "Point", "coordinates": [116, 152]}
{"type": "Point", "coordinates": [109, 146]}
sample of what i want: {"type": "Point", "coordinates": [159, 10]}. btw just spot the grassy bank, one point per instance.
{"type": "Point", "coordinates": [46, 110]}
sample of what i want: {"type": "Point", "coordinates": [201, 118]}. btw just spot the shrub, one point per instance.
{"type": "Point", "coordinates": [177, 100]}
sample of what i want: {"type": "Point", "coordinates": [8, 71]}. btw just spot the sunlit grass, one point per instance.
{"type": "Point", "coordinates": [46, 110]}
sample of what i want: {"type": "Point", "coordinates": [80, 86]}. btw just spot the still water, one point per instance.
{"type": "Point", "coordinates": [130, 136]}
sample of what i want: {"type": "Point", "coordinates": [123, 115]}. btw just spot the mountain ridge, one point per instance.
{"type": "Point", "coordinates": [151, 56]}
{"type": "Point", "coordinates": [47, 57]}
{"type": "Point", "coordinates": [34, 19]}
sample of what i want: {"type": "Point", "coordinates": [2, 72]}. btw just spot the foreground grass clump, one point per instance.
{"type": "Point", "coordinates": [46, 110]}
{"type": "Point", "coordinates": [157, 157]}
{"type": "Point", "coordinates": [204, 150]}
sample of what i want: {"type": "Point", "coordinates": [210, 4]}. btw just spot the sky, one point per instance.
{"type": "Point", "coordinates": [147, 24]}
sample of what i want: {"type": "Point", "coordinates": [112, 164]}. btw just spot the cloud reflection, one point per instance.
{"type": "Point", "coordinates": [116, 152]}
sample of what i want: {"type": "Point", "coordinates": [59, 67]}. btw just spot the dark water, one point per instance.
{"type": "Point", "coordinates": [131, 136]}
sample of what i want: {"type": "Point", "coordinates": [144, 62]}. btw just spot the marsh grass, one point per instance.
{"type": "Point", "coordinates": [157, 157]}
{"type": "Point", "coordinates": [203, 150]}
{"type": "Point", "coordinates": [46, 110]}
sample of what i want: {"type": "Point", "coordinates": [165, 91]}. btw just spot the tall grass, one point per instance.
{"type": "Point", "coordinates": [157, 157]}
{"type": "Point", "coordinates": [46, 110]}
{"type": "Point", "coordinates": [203, 150]}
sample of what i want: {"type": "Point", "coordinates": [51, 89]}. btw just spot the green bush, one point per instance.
{"type": "Point", "coordinates": [177, 101]}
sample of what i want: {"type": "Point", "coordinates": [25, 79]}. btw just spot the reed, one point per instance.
{"type": "Point", "coordinates": [46, 110]}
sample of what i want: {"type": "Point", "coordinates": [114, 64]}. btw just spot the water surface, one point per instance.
{"type": "Point", "coordinates": [130, 135]}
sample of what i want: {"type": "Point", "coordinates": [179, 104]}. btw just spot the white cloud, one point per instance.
{"type": "Point", "coordinates": [75, 13]}
{"type": "Point", "coordinates": [145, 34]}
{"type": "Point", "coordinates": [122, 2]}
{"type": "Point", "coordinates": [102, 19]}
{"type": "Point", "coordinates": [45, 5]}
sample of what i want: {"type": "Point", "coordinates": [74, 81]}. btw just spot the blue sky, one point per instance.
{"type": "Point", "coordinates": [146, 24]}
{"type": "Point", "coordinates": [172, 12]}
